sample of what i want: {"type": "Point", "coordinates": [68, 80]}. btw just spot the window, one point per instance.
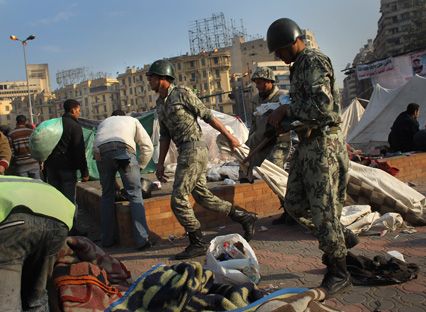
{"type": "Point", "coordinates": [180, 77]}
{"type": "Point", "coordinates": [218, 84]}
{"type": "Point", "coordinates": [217, 73]}
{"type": "Point", "coordinates": [192, 76]}
{"type": "Point", "coordinates": [130, 80]}
{"type": "Point", "coordinates": [179, 66]}
{"type": "Point", "coordinates": [7, 108]}
{"type": "Point", "coordinates": [103, 97]}
{"type": "Point", "coordinates": [192, 63]}
{"type": "Point", "coordinates": [204, 74]}
{"type": "Point", "coordinates": [219, 98]}
{"type": "Point", "coordinates": [206, 86]}
{"type": "Point", "coordinates": [216, 60]}
{"type": "Point", "coordinates": [203, 62]}
{"type": "Point", "coordinates": [130, 90]}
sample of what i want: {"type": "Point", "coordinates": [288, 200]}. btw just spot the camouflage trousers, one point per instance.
{"type": "Point", "coordinates": [190, 178]}
{"type": "Point", "coordinates": [316, 189]}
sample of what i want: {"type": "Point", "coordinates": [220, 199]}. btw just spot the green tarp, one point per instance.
{"type": "Point", "coordinates": [89, 132]}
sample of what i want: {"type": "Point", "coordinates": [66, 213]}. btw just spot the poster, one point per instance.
{"type": "Point", "coordinates": [418, 63]}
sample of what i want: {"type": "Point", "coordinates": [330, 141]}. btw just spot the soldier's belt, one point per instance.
{"type": "Point", "coordinates": [194, 144]}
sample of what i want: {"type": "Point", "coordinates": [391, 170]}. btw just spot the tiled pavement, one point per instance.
{"type": "Point", "coordinates": [289, 257]}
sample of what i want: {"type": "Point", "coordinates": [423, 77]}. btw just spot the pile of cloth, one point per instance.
{"type": "Point", "coordinates": [86, 278]}
{"type": "Point", "coordinates": [188, 287]}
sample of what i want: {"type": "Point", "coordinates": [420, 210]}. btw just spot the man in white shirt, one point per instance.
{"type": "Point", "coordinates": [115, 150]}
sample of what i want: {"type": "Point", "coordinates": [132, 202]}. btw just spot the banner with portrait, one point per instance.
{"type": "Point", "coordinates": [418, 63]}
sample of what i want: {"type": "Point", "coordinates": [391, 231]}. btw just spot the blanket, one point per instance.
{"type": "Point", "coordinates": [87, 279]}
{"type": "Point", "coordinates": [184, 287]}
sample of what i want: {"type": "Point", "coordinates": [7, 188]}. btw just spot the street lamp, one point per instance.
{"type": "Point", "coordinates": [24, 43]}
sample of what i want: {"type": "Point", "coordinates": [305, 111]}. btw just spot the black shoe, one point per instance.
{"type": "Point", "coordinates": [285, 219]}
{"type": "Point", "coordinates": [337, 277]}
{"type": "Point", "coordinates": [197, 247]}
{"type": "Point", "coordinates": [148, 244]}
{"type": "Point", "coordinates": [351, 239]}
{"type": "Point", "coordinates": [246, 219]}
{"type": "Point", "coordinates": [191, 251]}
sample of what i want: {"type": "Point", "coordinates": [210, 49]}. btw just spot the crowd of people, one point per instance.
{"type": "Point", "coordinates": [44, 214]}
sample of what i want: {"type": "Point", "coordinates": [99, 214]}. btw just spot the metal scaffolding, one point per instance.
{"type": "Point", "coordinates": [212, 33]}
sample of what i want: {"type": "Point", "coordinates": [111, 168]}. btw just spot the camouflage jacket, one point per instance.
{"type": "Point", "coordinates": [312, 89]}
{"type": "Point", "coordinates": [273, 97]}
{"type": "Point", "coordinates": [177, 115]}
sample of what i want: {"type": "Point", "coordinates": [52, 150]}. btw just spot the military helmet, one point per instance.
{"type": "Point", "coordinates": [263, 73]}
{"type": "Point", "coordinates": [282, 33]}
{"type": "Point", "coordinates": [162, 68]}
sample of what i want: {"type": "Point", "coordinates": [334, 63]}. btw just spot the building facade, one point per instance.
{"type": "Point", "coordinates": [401, 27]}
{"type": "Point", "coordinates": [98, 97]}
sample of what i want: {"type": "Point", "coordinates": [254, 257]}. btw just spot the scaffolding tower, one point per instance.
{"type": "Point", "coordinates": [212, 33]}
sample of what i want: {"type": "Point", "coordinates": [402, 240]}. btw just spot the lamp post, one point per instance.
{"type": "Point", "coordinates": [24, 43]}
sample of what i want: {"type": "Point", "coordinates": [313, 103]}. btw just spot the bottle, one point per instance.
{"type": "Point", "coordinates": [233, 251]}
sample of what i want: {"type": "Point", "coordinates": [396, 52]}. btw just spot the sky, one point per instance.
{"type": "Point", "coordinates": [109, 35]}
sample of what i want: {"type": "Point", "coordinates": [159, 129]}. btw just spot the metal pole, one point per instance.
{"type": "Point", "coordinates": [242, 99]}
{"type": "Point", "coordinates": [28, 84]}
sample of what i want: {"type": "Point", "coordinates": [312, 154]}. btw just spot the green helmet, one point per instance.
{"type": "Point", "coordinates": [263, 73]}
{"type": "Point", "coordinates": [282, 33]}
{"type": "Point", "coordinates": [162, 68]}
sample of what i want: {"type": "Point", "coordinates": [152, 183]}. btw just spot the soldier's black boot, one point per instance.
{"type": "Point", "coordinates": [351, 239]}
{"type": "Point", "coordinates": [337, 277]}
{"type": "Point", "coordinates": [246, 219]}
{"type": "Point", "coordinates": [197, 247]}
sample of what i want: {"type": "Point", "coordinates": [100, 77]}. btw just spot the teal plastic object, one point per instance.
{"type": "Point", "coordinates": [45, 137]}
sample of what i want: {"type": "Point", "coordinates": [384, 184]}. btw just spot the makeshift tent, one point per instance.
{"type": "Point", "coordinates": [351, 116]}
{"type": "Point", "coordinates": [384, 106]}
{"type": "Point", "coordinates": [150, 123]}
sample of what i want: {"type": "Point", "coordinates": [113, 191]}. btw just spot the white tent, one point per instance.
{"type": "Point", "coordinates": [351, 116]}
{"type": "Point", "coordinates": [385, 105]}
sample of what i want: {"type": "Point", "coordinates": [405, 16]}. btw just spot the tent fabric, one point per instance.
{"type": "Point", "coordinates": [373, 186]}
{"type": "Point", "coordinates": [385, 105]}
{"type": "Point", "coordinates": [351, 116]}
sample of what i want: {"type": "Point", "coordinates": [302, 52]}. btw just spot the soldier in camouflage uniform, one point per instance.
{"type": "Point", "coordinates": [178, 109]}
{"type": "Point", "coordinates": [319, 169]}
{"type": "Point", "coordinates": [268, 92]}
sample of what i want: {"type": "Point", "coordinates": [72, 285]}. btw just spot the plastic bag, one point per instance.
{"type": "Point", "coordinates": [239, 263]}
{"type": "Point", "coordinates": [45, 138]}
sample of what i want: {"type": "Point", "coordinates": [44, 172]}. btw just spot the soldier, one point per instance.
{"type": "Point", "coordinates": [268, 92]}
{"type": "Point", "coordinates": [178, 109]}
{"type": "Point", "coordinates": [319, 168]}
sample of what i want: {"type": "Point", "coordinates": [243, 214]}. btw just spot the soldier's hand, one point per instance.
{"type": "Point", "coordinates": [233, 142]}
{"type": "Point", "coordinates": [277, 116]}
{"type": "Point", "coordinates": [160, 173]}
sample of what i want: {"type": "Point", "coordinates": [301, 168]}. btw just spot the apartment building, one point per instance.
{"type": "Point", "coordinates": [14, 95]}
{"type": "Point", "coordinates": [208, 75]}
{"type": "Point", "coordinates": [401, 27]}
{"type": "Point", "coordinates": [98, 97]}
{"type": "Point", "coordinates": [135, 92]}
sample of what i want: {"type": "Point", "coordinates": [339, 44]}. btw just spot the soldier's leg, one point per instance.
{"type": "Point", "coordinates": [188, 171]}
{"type": "Point", "coordinates": [208, 200]}
{"type": "Point", "coordinates": [327, 179]}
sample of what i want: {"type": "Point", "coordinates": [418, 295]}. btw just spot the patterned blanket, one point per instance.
{"type": "Point", "coordinates": [87, 279]}
{"type": "Point", "coordinates": [184, 287]}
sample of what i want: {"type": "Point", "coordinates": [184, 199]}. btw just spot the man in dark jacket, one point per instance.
{"type": "Point", "coordinates": [403, 129]}
{"type": "Point", "coordinates": [69, 154]}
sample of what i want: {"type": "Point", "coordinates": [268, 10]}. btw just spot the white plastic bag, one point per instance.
{"type": "Point", "coordinates": [232, 271]}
